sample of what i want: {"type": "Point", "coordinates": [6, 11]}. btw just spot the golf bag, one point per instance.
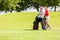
{"type": "Point", "coordinates": [36, 22]}
{"type": "Point", "coordinates": [35, 25]}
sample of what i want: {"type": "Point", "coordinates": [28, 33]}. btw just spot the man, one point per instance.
{"type": "Point", "coordinates": [39, 18]}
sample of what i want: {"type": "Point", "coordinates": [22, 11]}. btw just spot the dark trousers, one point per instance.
{"type": "Point", "coordinates": [36, 22]}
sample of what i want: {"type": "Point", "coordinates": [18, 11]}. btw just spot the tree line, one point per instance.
{"type": "Point", "coordinates": [18, 5]}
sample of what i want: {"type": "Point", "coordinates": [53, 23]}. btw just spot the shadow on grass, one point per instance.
{"type": "Point", "coordinates": [28, 29]}
{"type": "Point", "coordinates": [31, 30]}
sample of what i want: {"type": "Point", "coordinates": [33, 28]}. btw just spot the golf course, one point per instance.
{"type": "Point", "coordinates": [18, 26]}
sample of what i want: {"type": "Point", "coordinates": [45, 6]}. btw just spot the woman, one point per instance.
{"type": "Point", "coordinates": [46, 18]}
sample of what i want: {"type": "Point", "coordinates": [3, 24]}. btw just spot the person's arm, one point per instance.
{"type": "Point", "coordinates": [43, 12]}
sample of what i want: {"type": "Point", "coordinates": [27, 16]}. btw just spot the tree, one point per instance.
{"type": "Point", "coordinates": [53, 3]}
{"type": "Point", "coordinates": [1, 5]}
{"type": "Point", "coordinates": [8, 5]}
{"type": "Point", "coordinates": [23, 4]}
{"type": "Point", "coordinates": [19, 5]}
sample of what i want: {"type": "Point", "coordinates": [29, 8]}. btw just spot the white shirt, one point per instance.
{"type": "Point", "coordinates": [40, 13]}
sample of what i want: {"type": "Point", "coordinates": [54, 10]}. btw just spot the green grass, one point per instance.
{"type": "Point", "coordinates": [18, 26]}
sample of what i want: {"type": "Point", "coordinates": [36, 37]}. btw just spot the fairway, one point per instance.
{"type": "Point", "coordinates": [18, 26]}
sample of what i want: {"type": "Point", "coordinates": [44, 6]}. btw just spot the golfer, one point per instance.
{"type": "Point", "coordinates": [38, 19]}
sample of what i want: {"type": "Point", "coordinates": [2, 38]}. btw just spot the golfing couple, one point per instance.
{"type": "Point", "coordinates": [43, 18]}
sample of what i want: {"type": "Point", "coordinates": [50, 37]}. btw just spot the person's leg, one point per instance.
{"type": "Point", "coordinates": [48, 26]}
{"type": "Point", "coordinates": [47, 22]}
{"type": "Point", "coordinates": [43, 24]}
{"type": "Point", "coordinates": [35, 24]}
